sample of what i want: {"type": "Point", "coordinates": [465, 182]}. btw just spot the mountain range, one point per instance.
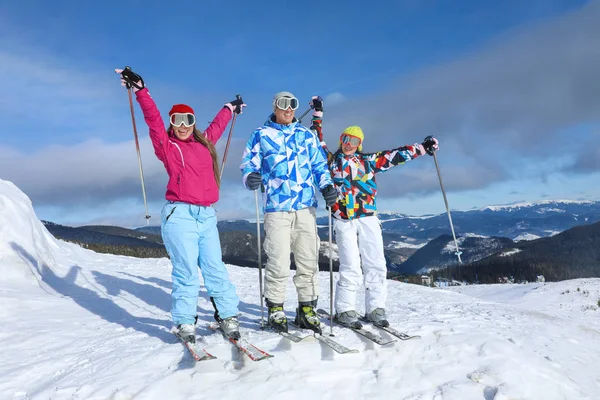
{"type": "Point", "coordinates": [412, 244]}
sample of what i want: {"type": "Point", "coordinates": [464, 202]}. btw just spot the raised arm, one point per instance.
{"type": "Point", "coordinates": [384, 160]}
{"type": "Point", "coordinates": [158, 135]}
{"type": "Point", "coordinates": [219, 123]}
{"type": "Point", "coordinates": [316, 125]}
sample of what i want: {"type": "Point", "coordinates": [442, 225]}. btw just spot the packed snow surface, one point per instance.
{"type": "Point", "coordinates": [75, 324]}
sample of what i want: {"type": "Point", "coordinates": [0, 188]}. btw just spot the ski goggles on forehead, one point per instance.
{"type": "Point", "coordinates": [351, 140]}
{"type": "Point", "coordinates": [283, 103]}
{"type": "Point", "coordinates": [186, 119]}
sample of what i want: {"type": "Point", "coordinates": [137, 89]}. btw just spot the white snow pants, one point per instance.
{"type": "Point", "coordinates": [285, 232]}
{"type": "Point", "coordinates": [360, 239]}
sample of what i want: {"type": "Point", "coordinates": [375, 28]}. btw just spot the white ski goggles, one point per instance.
{"type": "Point", "coordinates": [186, 119]}
{"type": "Point", "coordinates": [283, 103]}
{"type": "Point", "coordinates": [351, 140]}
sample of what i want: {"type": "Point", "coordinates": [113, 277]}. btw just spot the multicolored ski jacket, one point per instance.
{"type": "Point", "coordinates": [291, 163]}
{"type": "Point", "coordinates": [354, 178]}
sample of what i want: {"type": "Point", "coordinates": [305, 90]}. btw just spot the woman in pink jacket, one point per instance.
{"type": "Point", "coordinates": [188, 220]}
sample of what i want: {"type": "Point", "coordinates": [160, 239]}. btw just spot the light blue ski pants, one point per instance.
{"type": "Point", "coordinates": [192, 240]}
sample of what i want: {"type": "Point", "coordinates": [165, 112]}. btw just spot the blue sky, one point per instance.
{"type": "Point", "coordinates": [510, 88]}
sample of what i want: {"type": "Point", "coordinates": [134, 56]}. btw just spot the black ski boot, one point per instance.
{"type": "Point", "coordinates": [277, 320]}
{"type": "Point", "coordinates": [307, 317]}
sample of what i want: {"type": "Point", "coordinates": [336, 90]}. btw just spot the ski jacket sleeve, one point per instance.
{"type": "Point", "coordinates": [252, 158]}
{"type": "Point", "coordinates": [316, 128]}
{"type": "Point", "coordinates": [158, 134]}
{"type": "Point", "coordinates": [217, 126]}
{"type": "Point", "coordinates": [384, 160]}
{"type": "Point", "coordinates": [318, 161]}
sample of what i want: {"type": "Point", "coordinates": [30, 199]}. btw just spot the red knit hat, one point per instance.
{"type": "Point", "coordinates": [181, 109]}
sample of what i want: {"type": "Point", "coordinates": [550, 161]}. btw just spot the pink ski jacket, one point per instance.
{"type": "Point", "coordinates": [188, 163]}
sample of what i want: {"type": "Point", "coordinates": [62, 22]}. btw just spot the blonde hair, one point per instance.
{"type": "Point", "coordinates": [200, 138]}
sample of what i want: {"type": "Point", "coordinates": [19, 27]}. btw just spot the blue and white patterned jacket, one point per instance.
{"type": "Point", "coordinates": [291, 162]}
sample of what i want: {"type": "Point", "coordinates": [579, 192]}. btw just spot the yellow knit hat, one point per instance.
{"type": "Point", "coordinates": [356, 132]}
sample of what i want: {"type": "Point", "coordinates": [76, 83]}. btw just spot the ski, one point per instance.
{"type": "Point", "coordinates": [287, 335]}
{"type": "Point", "coordinates": [362, 331]}
{"type": "Point", "coordinates": [335, 346]}
{"type": "Point", "coordinates": [391, 331]}
{"type": "Point", "coordinates": [195, 350]}
{"type": "Point", "coordinates": [291, 336]}
{"type": "Point", "coordinates": [253, 352]}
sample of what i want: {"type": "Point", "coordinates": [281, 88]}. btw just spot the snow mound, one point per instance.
{"type": "Point", "coordinates": [25, 244]}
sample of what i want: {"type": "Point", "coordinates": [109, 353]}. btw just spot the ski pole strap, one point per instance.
{"type": "Point", "coordinates": [132, 79]}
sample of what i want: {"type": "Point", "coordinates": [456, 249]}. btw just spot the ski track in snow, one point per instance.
{"type": "Point", "coordinates": [82, 325]}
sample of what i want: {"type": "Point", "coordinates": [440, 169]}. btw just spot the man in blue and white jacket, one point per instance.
{"type": "Point", "coordinates": [288, 160]}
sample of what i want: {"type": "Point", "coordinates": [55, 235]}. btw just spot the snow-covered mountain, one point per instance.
{"type": "Point", "coordinates": [519, 221]}
{"type": "Point", "coordinates": [76, 324]}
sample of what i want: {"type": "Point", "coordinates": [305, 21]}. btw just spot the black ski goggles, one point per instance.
{"type": "Point", "coordinates": [185, 119]}
{"type": "Point", "coordinates": [283, 103]}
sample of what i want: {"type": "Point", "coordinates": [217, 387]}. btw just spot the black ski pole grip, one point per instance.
{"type": "Point", "coordinates": [238, 108]}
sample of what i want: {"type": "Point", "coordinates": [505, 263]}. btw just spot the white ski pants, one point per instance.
{"type": "Point", "coordinates": [360, 239]}
{"type": "Point", "coordinates": [285, 232]}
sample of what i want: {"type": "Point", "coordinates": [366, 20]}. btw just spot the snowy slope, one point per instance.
{"type": "Point", "coordinates": [79, 325]}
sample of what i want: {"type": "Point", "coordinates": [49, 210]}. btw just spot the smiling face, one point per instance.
{"type": "Point", "coordinates": [349, 144]}
{"type": "Point", "coordinates": [348, 149]}
{"type": "Point", "coordinates": [182, 132]}
{"type": "Point", "coordinates": [284, 117]}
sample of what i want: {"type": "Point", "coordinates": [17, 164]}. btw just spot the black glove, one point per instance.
{"type": "Point", "coordinates": [237, 104]}
{"type": "Point", "coordinates": [253, 180]}
{"type": "Point", "coordinates": [131, 79]}
{"type": "Point", "coordinates": [317, 103]}
{"type": "Point", "coordinates": [330, 195]}
{"type": "Point", "coordinates": [430, 144]}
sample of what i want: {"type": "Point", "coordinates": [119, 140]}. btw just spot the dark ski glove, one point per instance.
{"type": "Point", "coordinates": [253, 181]}
{"type": "Point", "coordinates": [330, 195]}
{"type": "Point", "coordinates": [130, 79]}
{"type": "Point", "coordinates": [430, 144]}
{"type": "Point", "coordinates": [236, 106]}
{"type": "Point", "coordinates": [316, 103]}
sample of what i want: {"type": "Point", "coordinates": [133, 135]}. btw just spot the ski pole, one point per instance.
{"type": "Point", "coordinates": [238, 97]}
{"type": "Point", "coordinates": [260, 278]}
{"type": "Point", "coordinates": [304, 114]}
{"type": "Point", "coordinates": [458, 252]}
{"type": "Point", "coordinates": [137, 146]}
{"type": "Point", "coordinates": [330, 277]}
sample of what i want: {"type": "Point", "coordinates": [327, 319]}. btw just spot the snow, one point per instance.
{"type": "Point", "coordinates": [403, 245]}
{"type": "Point", "coordinates": [526, 236]}
{"type": "Point", "coordinates": [545, 210]}
{"type": "Point", "coordinates": [511, 207]}
{"type": "Point", "coordinates": [450, 247]}
{"type": "Point", "coordinates": [80, 325]}
{"type": "Point", "coordinates": [509, 252]}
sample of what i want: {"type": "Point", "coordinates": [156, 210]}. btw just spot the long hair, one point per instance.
{"type": "Point", "coordinates": [200, 138]}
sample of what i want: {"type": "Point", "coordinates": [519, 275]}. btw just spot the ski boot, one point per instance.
{"type": "Point", "coordinates": [187, 332]}
{"type": "Point", "coordinates": [277, 320]}
{"type": "Point", "coordinates": [378, 318]}
{"type": "Point", "coordinates": [349, 319]}
{"type": "Point", "coordinates": [306, 316]}
{"type": "Point", "coordinates": [230, 327]}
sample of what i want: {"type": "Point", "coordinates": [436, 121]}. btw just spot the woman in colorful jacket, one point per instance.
{"type": "Point", "coordinates": [357, 228]}
{"type": "Point", "coordinates": [188, 220]}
